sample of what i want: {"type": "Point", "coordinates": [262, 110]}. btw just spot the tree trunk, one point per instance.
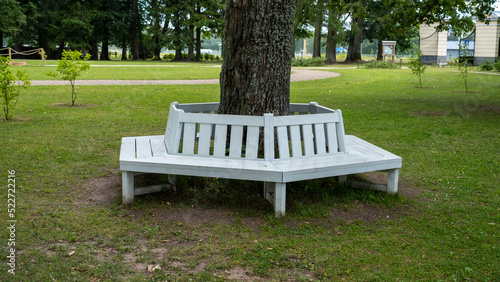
{"type": "Point", "coordinates": [380, 51]}
{"type": "Point", "coordinates": [331, 42]}
{"type": "Point", "coordinates": [191, 43]}
{"type": "Point", "coordinates": [357, 25]}
{"type": "Point", "coordinates": [94, 48]}
{"type": "Point", "coordinates": [318, 24]}
{"type": "Point", "coordinates": [105, 49]}
{"type": "Point", "coordinates": [1, 38]}
{"type": "Point", "coordinates": [257, 51]}
{"type": "Point", "coordinates": [198, 44]}
{"type": "Point", "coordinates": [133, 31]}
{"type": "Point", "coordinates": [124, 52]}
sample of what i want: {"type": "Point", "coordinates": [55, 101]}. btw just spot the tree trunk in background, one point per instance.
{"type": "Point", "coordinates": [124, 52]}
{"type": "Point", "coordinates": [331, 42]}
{"type": "Point", "coordinates": [380, 51]}
{"type": "Point", "coordinates": [191, 44]}
{"type": "Point", "coordinates": [198, 44]}
{"type": "Point", "coordinates": [94, 52]}
{"type": "Point", "coordinates": [105, 50]}
{"type": "Point", "coordinates": [257, 51]}
{"type": "Point", "coordinates": [133, 31]}
{"type": "Point", "coordinates": [318, 24]}
{"type": "Point", "coordinates": [357, 25]}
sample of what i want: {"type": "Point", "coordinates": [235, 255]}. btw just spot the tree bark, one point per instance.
{"type": "Point", "coordinates": [318, 24]}
{"type": "Point", "coordinates": [133, 31]}
{"type": "Point", "coordinates": [331, 42]}
{"type": "Point", "coordinates": [191, 44]}
{"type": "Point", "coordinates": [198, 44]}
{"type": "Point", "coordinates": [380, 51]}
{"type": "Point", "coordinates": [124, 52]}
{"type": "Point", "coordinates": [257, 51]}
{"type": "Point", "coordinates": [105, 50]}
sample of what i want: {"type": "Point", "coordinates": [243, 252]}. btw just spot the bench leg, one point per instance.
{"type": "Point", "coordinates": [127, 187]}
{"type": "Point", "coordinates": [276, 194]}
{"type": "Point", "coordinates": [392, 181]}
{"type": "Point", "coordinates": [342, 178]}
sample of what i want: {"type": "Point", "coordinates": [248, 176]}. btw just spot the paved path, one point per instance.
{"type": "Point", "coordinates": [297, 75]}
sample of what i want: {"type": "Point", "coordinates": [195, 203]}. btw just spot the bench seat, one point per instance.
{"type": "Point", "coordinates": [310, 144]}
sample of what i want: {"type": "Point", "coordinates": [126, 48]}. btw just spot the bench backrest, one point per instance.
{"type": "Point", "coordinates": [189, 132]}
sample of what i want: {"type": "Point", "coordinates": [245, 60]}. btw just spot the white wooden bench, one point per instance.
{"type": "Point", "coordinates": [311, 143]}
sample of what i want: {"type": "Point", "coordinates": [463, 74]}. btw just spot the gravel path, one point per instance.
{"type": "Point", "coordinates": [297, 75]}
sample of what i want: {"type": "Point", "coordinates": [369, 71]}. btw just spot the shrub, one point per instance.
{"type": "Point", "coordinates": [417, 67]}
{"type": "Point", "coordinates": [486, 66]}
{"type": "Point", "coordinates": [169, 56]}
{"type": "Point", "coordinates": [70, 66]}
{"type": "Point", "coordinates": [9, 87]}
{"type": "Point", "coordinates": [380, 65]}
{"type": "Point", "coordinates": [308, 62]}
{"type": "Point", "coordinates": [497, 65]}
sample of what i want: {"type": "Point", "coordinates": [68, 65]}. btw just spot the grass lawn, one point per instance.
{"type": "Point", "coordinates": [71, 225]}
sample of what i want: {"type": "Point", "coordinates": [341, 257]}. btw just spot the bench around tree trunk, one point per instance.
{"type": "Point", "coordinates": [310, 144]}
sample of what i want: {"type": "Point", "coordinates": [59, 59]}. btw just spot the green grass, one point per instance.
{"type": "Point", "coordinates": [448, 139]}
{"type": "Point", "coordinates": [134, 70]}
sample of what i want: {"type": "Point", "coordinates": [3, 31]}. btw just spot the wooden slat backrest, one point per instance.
{"type": "Point", "coordinates": [204, 135]}
{"type": "Point", "coordinates": [311, 135]}
{"type": "Point", "coordinates": [310, 130]}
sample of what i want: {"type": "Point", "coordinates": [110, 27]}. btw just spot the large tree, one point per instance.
{"type": "Point", "coordinates": [12, 18]}
{"type": "Point", "coordinates": [257, 51]}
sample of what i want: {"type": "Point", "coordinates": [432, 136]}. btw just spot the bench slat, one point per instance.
{"type": "Point", "coordinates": [158, 147]}
{"type": "Point", "coordinates": [222, 119]}
{"type": "Point", "coordinates": [236, 141]}
{"type": "Point", "coordinates": [305, 119]}
{"type": "Point", "coordinates": [308, 140]}
{"type": "Point", "coordinates": [319, 138]}
{"type": "Point", "coordinates": [188, 138]}
{"type": "Point", "coordinates": [204, 142]}
{"type": "Point", "coordinates": [127, 151]}
{"type": "Point", "coordinates": [284, 150]}
{"type": "Point", "coordinates": [220, 140]}
{"type": "Point", "coordinates": [143, 148]}
{"type": "Point", "coordinates": [252, 145]}
{"type": "Point", "coordinates": [296, 141]}
{"type": "Point", "coordinates": [331, 138]}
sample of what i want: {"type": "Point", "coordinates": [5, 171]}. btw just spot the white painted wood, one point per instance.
{"type": "Point", "coordinates": [127, 151]}
{"type": "Point", "coordinates": [158, 147]}
{"type": "Point", "coordinates": [319, 138]}
{"type": "Point", "coordinates": [284, 150]}
{"type": "Point", "coordinates": [268, 137]}
{"type": "Point", "coordinates": [148, 189]}
{"type": "Point", "coordinates": [308, 140]}
{"type": "Point", "coordinates": [236, 141]}
{"type": "Point", "coordinates": [279, 199]}
{"type": "Point", "coordinates": [340, 131]}
{"type": "Point", "coordinates": [220, 140]}
{"type": "Point", "coordinates": [188, 138]}
{"type": "Point", "coordinates": [143, 148]}
{"type": "Point", "coordinates": [252, 145]}
{"type": "Point", "coordinates": [327, 150]}
{"type": "Point", "coordinates": [127, 187]}
{"type": "Point", "coordinates": [331, 137]}
{"type": "Point", "coordinates": [296, 141]}
{"type": "Point", "coordinates": [205, 139]}
{"type": "Point", "coordinates": [392, 181]}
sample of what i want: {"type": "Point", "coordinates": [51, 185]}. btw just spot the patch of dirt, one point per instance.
{"type": "Point", "coordinates": [252, 222]}
{"type": "Point", "coordinates": [405, 187]}
{"type": "Point", "coordinates": [239, 273]}
{"type": "Point", "coordinates": [23, 64]}
{"type": "Point", "coordinates": [364, 212]}
{"type": "Point", "coordinates": [195, 216]}
{"type": "Point", "coordinates": [102, 191]}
